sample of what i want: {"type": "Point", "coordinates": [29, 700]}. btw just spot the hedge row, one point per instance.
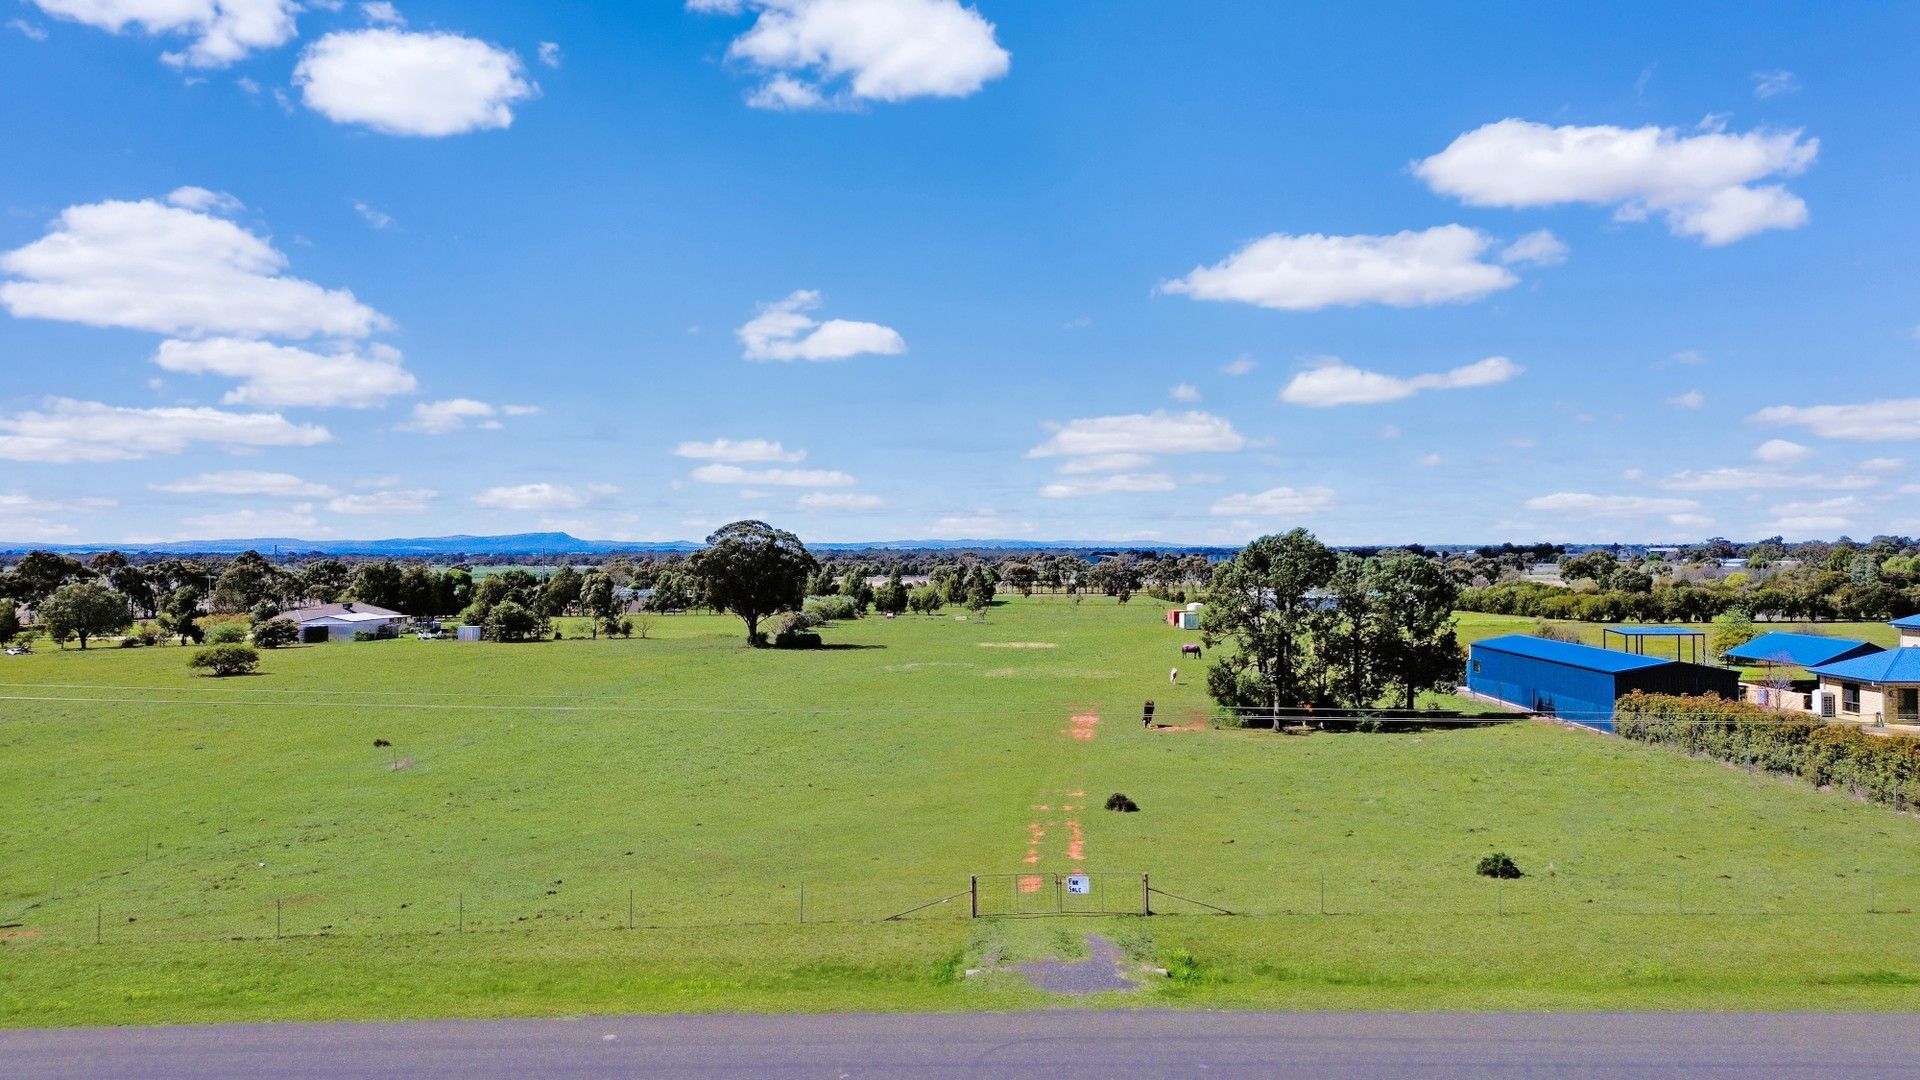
{"type": "Point", "coordinates": [1885, 769]}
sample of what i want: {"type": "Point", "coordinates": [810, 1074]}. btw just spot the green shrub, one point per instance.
{"type": "Point", "coordinates": [1884, 769]}
{"type": "Point", "coordinates": [796, 631]}
{"type": "Point", "coordinates": [832, 608]}
{"type": "Point", "coordinates": [1498, 865]}
{"type": "Point", "coordinates": [222, 661]}
{"type": "Point", "coordinates": [276, 634]}
{"type": "Point", "coordinates": [509, 621]}
{"type": "Point", "coordinates": [226, 633]}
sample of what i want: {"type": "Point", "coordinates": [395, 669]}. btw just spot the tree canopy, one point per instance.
{"type": "Point", "coordinates": [84, 610]}
{"type": "Point", "coordinates": [754, 570]}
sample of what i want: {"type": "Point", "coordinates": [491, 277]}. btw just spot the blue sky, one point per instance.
{"type": "Point", "coordinates": [880, 269]}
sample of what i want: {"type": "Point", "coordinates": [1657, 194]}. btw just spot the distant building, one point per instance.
{"type": "Point", "coordinates": [340, 622]}
{"type": "Point", "coordinates": [1782, 656]}
{"type": "Point", "coordinates": [1878, 688]}
{"type": "Point", "coordinates": [1186, 618]}
{"type": "Point", "coordinates": [1582, 683]}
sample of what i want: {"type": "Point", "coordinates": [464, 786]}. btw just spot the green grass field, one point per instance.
{"type": "Point", "coordinates": [243, 850]}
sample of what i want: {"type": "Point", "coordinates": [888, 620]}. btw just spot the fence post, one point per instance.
{"type": "Point", "coordinates": [629, 909]}
{"type": "Point", "coordinates": [1146, 896]}
{"type": "Point", "coordinates": [973, 896]}
{"type": "Point", "coordinates": [1323, 893]}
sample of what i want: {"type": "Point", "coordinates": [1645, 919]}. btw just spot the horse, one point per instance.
{"type": "Point", "coordinates": [1189, 649]}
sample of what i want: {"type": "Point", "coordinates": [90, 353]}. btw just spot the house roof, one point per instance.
{"type": "Point", "coordinates": [349, 613]}
{"type": "Point", "coordinates": [1911, 622]}
{"type": "Point", "coordinates": [1890, 666]}
{"type": "Point", "coordinates": [1567, 654]}
{"type": "Point", "coordinates": [1800, 650]}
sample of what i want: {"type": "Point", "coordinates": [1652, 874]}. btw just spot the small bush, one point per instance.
{"type": "Point", "coordinates": [832, 608]}
{"type": "Point", "coordinates": [222, 661]}
{"type": "Point", "coordinates": [147, 633]}
{"type": "Point", "coordinates": [276, 634]}
{"type": "Point", "coordinates": [1121, 804]}
{"type": "Point", "coordinates": [796, 632]}
{"type": "Point", "coordinates": [226, 633]}
{"type": "Point", "coordinates": [1498, 865]}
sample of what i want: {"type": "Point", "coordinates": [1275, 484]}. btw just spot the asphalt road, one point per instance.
{"type": "Point", "coordinates": [1074, 1045]}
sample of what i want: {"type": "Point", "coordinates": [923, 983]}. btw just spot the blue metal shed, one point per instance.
{"type": "Point", "coordinates": [1579, 682]}
{"type": "Point", "coordinates": [1800, 650]}
{"type": "Point", "coordinates": [1911, 622]}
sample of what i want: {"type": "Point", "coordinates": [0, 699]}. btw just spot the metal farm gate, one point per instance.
{"type": "Point", "coordinates": [1071, 893]}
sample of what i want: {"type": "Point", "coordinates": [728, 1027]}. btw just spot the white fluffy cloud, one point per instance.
{"type": "Point", "coordinates": [383, 13]}
{"type": "Point", "coordinates": [1759, 479]}
{"type": "Point", "coordinates": [782, 331]}
{"type": "Point", "coordinates": [1241, 365]}
{"type": "Point", "coordinates": [1139, 434]}
{"type": "Point", "coordinates": [27, 518]}
{"type": "Point", "coordinates": [223, 31]}
{"type": "Point", "coordinates": [739, 451]}
{"type": "Point", "coordinates": [733, 474]}
{"type": "Point", "coordinates": [1186, 392]}
{"type": "Point", "coordinates": [172, 270]}
{"type": "Point", "coordinates": [1894, 419]}
{"type": "Point", "coordinates": [1692, 399]}
{"type": "Point", "coordinates": [404, 83]}
{"type": "Point", "coordinates": [1275, 502]}
{"type": "Point", "coordinates": [278, 376]}
{"type": "Point", "coordinates": [1104, 463]}
{"type": "Point", "coordinates": [65, 431]}
{"type": "Point", "coordinates": [983, 524]}
{"type": "Point", "coordinates": [1586, 505]}
{"type": "Point", "coordinates": [1306, 273]}
{"type": "Point", "coordinates": [1335, 383]}
{"type": "Point", "coordinates": [818, 53]}
{"type": "Point", "coordinates": [1538, 248]}
{"type": "Point", "coordinates": [530, 497]}
{"type": "Point", "coordinates": [446, 417]}
{"type": "Point", "coordinates": [392, 501]}
{"type": "Point", "coordinates": [1814, 517]}
{"type": "Point", "coordinates": [839, 500]}
{"type": "Point", "coordinates": [247, 482]}
{"type": "Point", "coordinates": [1774, 83]}
{"type": "Point", "coordinates": [1704, 184]}
{"type": "Point", "coordinates": [1116, 483]}
{"type": "Point", "coordinates": [294, 522]}
{"type": "Point", "coordinates": [1781, 452]}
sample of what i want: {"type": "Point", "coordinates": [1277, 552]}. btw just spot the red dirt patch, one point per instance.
{"type": "Point", "coordinates": [18, 935]}
{"type": "Point", "coordinates": [1076, 842]}
{"type": "Point", "coordinates": [1084, 726]}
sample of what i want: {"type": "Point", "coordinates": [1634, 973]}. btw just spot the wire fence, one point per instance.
{"type": "Point", "coordinates": [553, 906]}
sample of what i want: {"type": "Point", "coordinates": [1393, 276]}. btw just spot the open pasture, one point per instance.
{"type": "Point", "coordinates": [682, 823]}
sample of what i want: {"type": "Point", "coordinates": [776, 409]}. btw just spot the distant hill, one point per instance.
{"type": "Point", "coordinates": [548, 543]}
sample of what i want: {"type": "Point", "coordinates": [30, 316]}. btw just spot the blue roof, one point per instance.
{"type": "Point", "coordinates": [1800, 650]}
{"type": "Point", "coordinates": [1911, 622]}
{"type": "Point", "coordinates": [1657, 631]}
{"type": "Point", "coordinates": [1570, 655]}
{"type": "Point", "coordinates": [1891, 666]}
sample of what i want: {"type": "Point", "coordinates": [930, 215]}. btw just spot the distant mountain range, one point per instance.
{"type": "Point", "coordinates": [548, 543]}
